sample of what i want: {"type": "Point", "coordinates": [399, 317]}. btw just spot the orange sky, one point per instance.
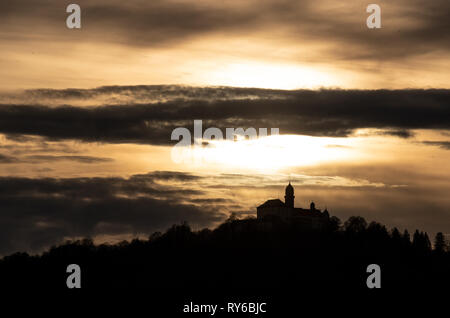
{"type": "Point", "coordinates": [268, 44]}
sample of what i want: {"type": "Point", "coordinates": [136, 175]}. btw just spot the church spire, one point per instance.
{"type": "Point", "coordinates": [289, 196]}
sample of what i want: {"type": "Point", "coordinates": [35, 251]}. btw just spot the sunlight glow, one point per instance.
{"type": "Point", "coordinates": [274, 152]}
{"type": "Point", "coordinates": [275, 76]}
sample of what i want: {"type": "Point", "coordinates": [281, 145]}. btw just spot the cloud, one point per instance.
{"type": "Point", "coordinates": [169, 176]}
{"type": "Point", "coordinates": [402, 133]}
{"type": "Point", "coordinates": [35, 213]}
{"type": "Point", "coordinates": [7, 159]}
{"type": "Point", "coordinates": [410, 27]}
{"type": "Point", "coordinates": [81, 159]}
{"type": "Point", "coordinates": [441, 144]}
{"type": "Point", "coordinates": [50, 158]}
{"type": "Point", "coordinates": [136, 94]}
{"type": "Point", "coordinates": [308, 112]}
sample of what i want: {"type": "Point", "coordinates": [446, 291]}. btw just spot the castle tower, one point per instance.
{"type": "Point", "coordinates": [289, 196]}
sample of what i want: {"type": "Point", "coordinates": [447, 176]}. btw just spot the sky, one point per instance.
{"type": "Point", "coordinates": [87, 115]}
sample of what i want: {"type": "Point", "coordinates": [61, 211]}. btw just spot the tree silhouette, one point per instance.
{"type": "Point", "coordinates": [406, 239]}
{"type": "Point", "coordinates": [421, 243]}
{"type": "Point", "coordinates": [355, 224]}
{"type": "Point", "coordinates": [427, 242]}
{"type": "Point", "coordinates": [396, 236]}
{"type": "Point", "coordinates": [439, 243]}
{"type": "Point", "coordinates": [334, 224]}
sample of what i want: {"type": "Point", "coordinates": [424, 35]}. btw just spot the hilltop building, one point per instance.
{"type": "Point", "coordinates": [286, 211]}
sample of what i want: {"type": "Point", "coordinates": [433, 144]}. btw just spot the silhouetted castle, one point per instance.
{"type": "Point", "coordinates": [285, 211]}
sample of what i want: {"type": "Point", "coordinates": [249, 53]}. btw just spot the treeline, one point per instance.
{"type": "Point", "coordinates": [242, 255]}
{"type": "Point", "coordinates": [420, 242]}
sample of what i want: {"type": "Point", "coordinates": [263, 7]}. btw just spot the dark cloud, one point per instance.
{"type": "Point", "coordinates": [35, 213]}
{"type": "Point", "coordinates": [211, 201]}
{"type": "Point", "coordinates": [134, 23]}
{"type": "Point", "coordinates": [51, 158]}
{"type": "Point", "coordinates": [441, 144]}
{"type": "Point", "coordinates": [19, 138]}
{"type": "Point", "coordinates": [80, 159]}
{"type": "Point", "coordinates": [90, 188]}
{"type": "Point", "coordinates": [402, 133]}
{"type": "Point", "coordinates": [118, 95]}
{"type": "Point", "coordinates": [7, 159]}
{"type": "Point", "coordinates": [318, 113]}
{"type": "Point", "coordinates": [168, 176]}
{"type": "Point", "coordinates": [410, 27]}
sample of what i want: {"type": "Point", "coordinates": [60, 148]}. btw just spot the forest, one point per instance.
{"type": "Point", "coordinates": [242, 256]}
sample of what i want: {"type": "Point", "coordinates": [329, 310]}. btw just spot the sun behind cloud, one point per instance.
{"type": "Point", "coordinates": [269, 75]}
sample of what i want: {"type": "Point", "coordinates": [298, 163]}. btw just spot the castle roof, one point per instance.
{"type": "Point", "coordinates": [307, 212]}
{"type": "Point", "coordinates": [275, 203]}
